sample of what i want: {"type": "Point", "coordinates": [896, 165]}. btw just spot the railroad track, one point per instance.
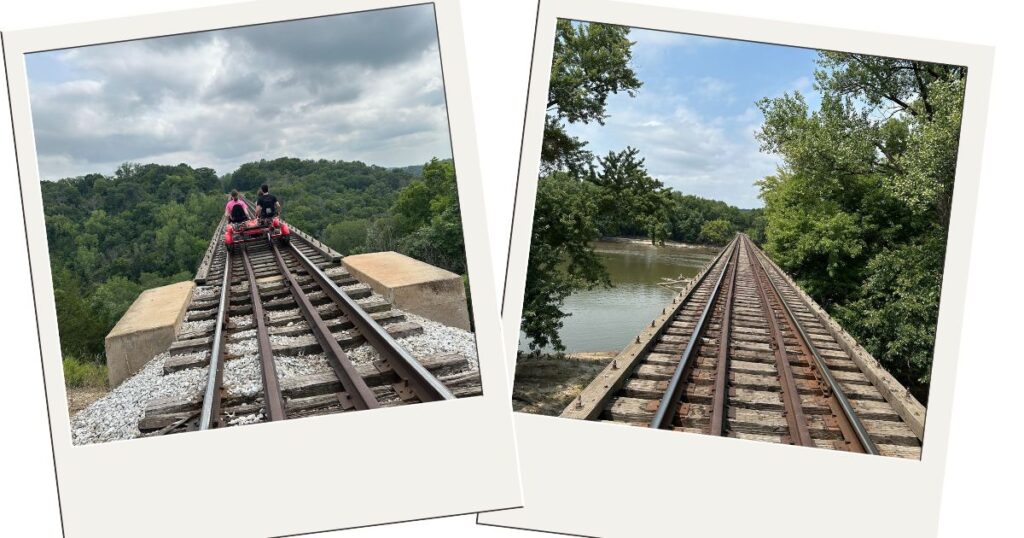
{"type": "Point", "coordinates": [744, 353]}
{"type": "Point", "coordinates": [278, 304]}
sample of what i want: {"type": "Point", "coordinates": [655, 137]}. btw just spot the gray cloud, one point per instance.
{"type": "Point", "coordinates": [363, 86]}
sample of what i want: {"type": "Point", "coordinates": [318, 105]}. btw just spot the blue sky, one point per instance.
{"type": "Point", "coordinates": [364, 86]}
{"type": "Point", "coordinates": [695, 116]}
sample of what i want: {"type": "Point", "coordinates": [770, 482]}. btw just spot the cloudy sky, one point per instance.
{"type": "Point", "coordinates": [363, 86]}
{"type": "Point", "coordinates": [695, 116]}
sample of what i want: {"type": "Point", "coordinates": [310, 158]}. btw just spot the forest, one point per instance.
{"type": "Point", "coordinates": [857, 212]}
{"type": "Point", "coordinates": [111, 237]}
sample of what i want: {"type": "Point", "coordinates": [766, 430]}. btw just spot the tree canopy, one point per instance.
{"type": "Point", "coordinates": [860, 208]}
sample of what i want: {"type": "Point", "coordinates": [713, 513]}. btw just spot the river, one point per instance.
{"type": "Point", "coordinates": [606, 319]}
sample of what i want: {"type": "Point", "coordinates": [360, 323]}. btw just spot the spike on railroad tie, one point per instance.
{"type": "Point", "coordinates": [579, 402]}
{"type": "Point", "coordinates": [615, 364]}
{"type": "Point", "coordinates": [638, 338]}
{"type": "Point", "coordinates": [652, 322]}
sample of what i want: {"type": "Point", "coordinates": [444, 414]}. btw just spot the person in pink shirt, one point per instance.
{"type": "Point", "coordinates": [235, 210]}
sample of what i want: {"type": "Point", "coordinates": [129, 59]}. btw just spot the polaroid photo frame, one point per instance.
{"type": "Point", "coordinates": [590, 478]}
{"type": "Point", "coordinates": [293, 476]}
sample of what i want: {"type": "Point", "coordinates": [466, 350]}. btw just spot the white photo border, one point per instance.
{"type": "Point", "coordinates": [318, 473]}
{"type": "Point", "coordinates": [595, 479]}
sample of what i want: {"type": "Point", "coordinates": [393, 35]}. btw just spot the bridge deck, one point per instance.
{"type": "Point", "coordinates": [787, 372]}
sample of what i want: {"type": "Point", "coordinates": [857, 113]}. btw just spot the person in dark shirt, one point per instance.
{"type": "Point", "coordinates": [267, 203]}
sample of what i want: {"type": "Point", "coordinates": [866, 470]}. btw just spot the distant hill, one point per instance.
{"type": "Point", "coordinates": [416, 170]}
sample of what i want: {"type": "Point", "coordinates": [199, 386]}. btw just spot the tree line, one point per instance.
{"type": "Point", "coordinates": [111, 237]}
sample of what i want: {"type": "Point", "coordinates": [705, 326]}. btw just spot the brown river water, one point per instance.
{"type": "Point", "coordinates": [606, 319]}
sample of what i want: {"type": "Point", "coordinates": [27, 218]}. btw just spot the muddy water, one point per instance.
{"type": "Point", "coordinates": [606, 319]}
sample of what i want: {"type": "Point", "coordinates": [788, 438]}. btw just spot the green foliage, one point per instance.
{"type": "Point", "coordinates": [717, 232]}
{"type": "Point", "coordinates": [112, 298]}
{"type": "Point", "coordinates": [688, 215]}
{"type": "Point", "coordinates": [80, 373]}
{"type": "Point", "coordinates": [591, 61]}
{"type": "Point", "coordinates": [347, 236]}
{"type": "Point", "coordinates": [630, 202]}
{"type": "Point", "coordinates": [316, 194]}
{"type": "Point", "coordinates": [860, 209]}
{"type": "Point", "coordinates": [81, 331]}
{"type": "Point", "coordinates": [428, 218]}
{"type": "Point", "coordinates": [111, 237]}
{"type": "Point", "coordinates": [561, 258]}
{"type": "Point", "coordinates": [895, 310]}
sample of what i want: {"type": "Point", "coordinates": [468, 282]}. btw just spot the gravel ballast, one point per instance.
{"type": "Point", "coordinates": [116, 415]}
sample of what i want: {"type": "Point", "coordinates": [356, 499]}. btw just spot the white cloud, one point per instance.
{"type": "Point", "coordinates": [364, 87]}
{"type": "Point", "coordinates": [714, 157]}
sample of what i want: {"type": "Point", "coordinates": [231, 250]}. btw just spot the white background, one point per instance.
{"type": "Point", "coordinates": [982, 488]}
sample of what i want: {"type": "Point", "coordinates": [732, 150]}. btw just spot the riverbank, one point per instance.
{"type": "Point", "coordinates": [647, 242]}
{"type": "Point", "coordinates": [545, 385]}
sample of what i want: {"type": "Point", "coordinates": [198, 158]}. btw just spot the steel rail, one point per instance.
{"type": "Point", "coordinates": [663, 416]}
{"type": "Point", "coordinates": [423, 383]}
{"type": "Point", "coordinates": [847, 411]}
{"type": "Point", "coordinates": [210, 415]}
{"type": "Point", "coordinates": [795, 417]}
{"type": "Point", "coordinates": [358, 391]}
{"type": "Point", "coordinates": [273, 403]}
{"type": "Point", "coordinates": [722, 364]}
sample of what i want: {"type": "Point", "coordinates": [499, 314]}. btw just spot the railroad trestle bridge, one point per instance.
{"type": "Point", "coordinates": [743, 352]}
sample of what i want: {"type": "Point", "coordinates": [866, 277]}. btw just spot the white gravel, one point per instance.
{"type": "Point", "coordinates": [246, 419]}
{"type": "Point", "coordinates": [242, 376]}
{"type": "Point", "coordinates": [116, 415]}
{"type": "Point", "coordinates": [205, 325]}
{"type": "Point", "coordinates": [278, 314]}
{"type": "Point", "coordinates": [301, 365]}
{"type": "Point", "coordinates": [205, 292]}
{"type": "Point", "coordinates": [439, 339]}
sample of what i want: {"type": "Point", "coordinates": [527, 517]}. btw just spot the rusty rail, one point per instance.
{"type": "Point", "coordinates": [415, 377]}
{"type": "Point", "coordinates": [853, 430]}
{"type": "Point", "coordinates": [670, 401]}
{"type": "Point", "coordinates": [722, 365]}
{"type": "Point", "coordinates": [359, 394]}
{"type": "Point", "coordinates": [272, 400]}
{"type": "Point", "coordinates": [210, 415]}
{"type": "Point", "coordinates": [795, 418]}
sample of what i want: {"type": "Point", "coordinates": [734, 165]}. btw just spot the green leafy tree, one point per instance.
{"type": "Point", "coordinates": [347, 236]}
{"type": "Point", "coordinates": [859, 210]}
{"type": "Point", "coordinates": [428, 218]}
{"type": "Point", "coordinates": [717, 232]}
{"type": "Point", "coordinates": [591, 61]}
{"type": "Point", "coordinates": [631, 202]}
{"type": "Point", "coordinates": [111, 299]}
{"type": "Point", "coordinates": [561, 259]}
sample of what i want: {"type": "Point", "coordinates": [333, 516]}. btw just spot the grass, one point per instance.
{"type": "Point", "coordinates": [79, 373]}
{"type": "Point", "coordinates": [545, 385]}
